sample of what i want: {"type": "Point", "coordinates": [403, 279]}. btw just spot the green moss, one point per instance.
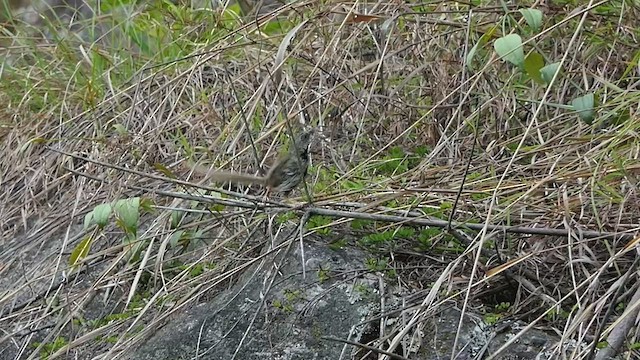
{"type": "Point", "coordinates": [491, 318]}
{"type": "Point", "coordinates": [49, 348]}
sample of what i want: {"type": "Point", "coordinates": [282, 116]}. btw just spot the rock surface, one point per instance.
{"type": "Point", "coordinates": [296, 316]}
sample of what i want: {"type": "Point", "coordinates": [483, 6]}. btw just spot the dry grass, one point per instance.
{"type": "Point", "coordinates": [419, 135]}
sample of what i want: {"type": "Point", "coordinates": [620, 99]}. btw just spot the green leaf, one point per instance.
{"type": "Point", "coordinates": [136, 250]}
{"type": "Point", "coordinates": [146, 205]}
{"type": "Point", "coordinates": [353, 185]}
{"type": "Point", "coordinates": [632, 65]}
{"type": "Point", "coordinates": [549, 71]}
{"type": "Point", "coordinates": [533, 17]}
{"type": "Point", "coordinates": [99, 216]}
{"type": "Point", "coordinates": [80, 251]}
{"type": "Point", "coordinates": [472, 54]}
{"type": "Point", "coordinates": [196, 270]}
{"type": "Point", "coordinates": [213, 207]}
{"type": "Point", "coordinates": [88, 220]}
{"type": "Point", "coordinates": [140, 39]}
{"type": "Point", "coordinates": [532, 65]}
{"type": "Point", "coordinates": [320, 223]}
{"type": "Point", "coordinates": [164, 170]}
{"type": "Point", "coordinates": [277, 27]}
{"type": "Point", "coordinates": [175, 238]}
{"type": "Point", "coordinates": [194, 238]}
{"type": "Point", "coordinates": [360, 224]}
{"type": "Point", "coordinates": [127, 212]}
{"type": "Point", "coordinates": [231, 15]}
{"type": "Point", "coordinates": [394, 162]}
{"type": "Point", "coordinates": [509, 48]}
{"type": "Point", "coordinates": [405, 232]}
{"type": "Point", "coordinates": [176, 218]}
{"type": "Point", "coordinates": [338, 244]}
{"type": "Point", "coordinates": [27, 145]}
{"type": "Point", "coordinates": [481, 42]}
{"type": "Point", "coordinates": [584, 107]}
{"type": "Point", "coordinates": [120, 130]}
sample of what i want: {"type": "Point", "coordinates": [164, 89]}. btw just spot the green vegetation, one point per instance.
{"type": "Point", "coordinates": [320, 224]}
{"type": "Point", "coordinates": [387, 237]}
{"type": "Point", "coordinates": [50, 348]}
{"type": "Point", "coordinates": [288, 301]}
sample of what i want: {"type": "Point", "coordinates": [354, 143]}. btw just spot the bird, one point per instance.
{"type": "Point", "coordinates": [284, 176]}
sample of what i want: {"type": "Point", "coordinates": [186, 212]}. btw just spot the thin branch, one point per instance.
{"type": "Point", "coordinates": [415, 220]}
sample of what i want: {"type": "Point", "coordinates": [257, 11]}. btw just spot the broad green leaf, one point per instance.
{"type": "Point", "coordinates": [127, 211]}
{"type": "Point", "coordinates": [175, 239]}
{"type": "Point", "coordinates": [472, 54]}
{"type": "Point", "coordinates": [549, 71]}
{"type": "Point", "coordinates": [533, 18]}
{"type": "Point", "coordinates": [481, 42]}
{"type": "Point", "coordinates": [88, 220]}
{"type": "Point", "coordinates": [532, 65]}
{"type": "Point", "coordinates": [80, 251]}
{"type": "Point", "coordinates": [99, 216]}
{"type": "Point", "coordinates": [196, 238]}
{"type": "Point", "coordinates": [176, 218]}
{"type": "Point", "coordinates": [584, 107]}
{"type": "Point", "coordinates": [509, 48]}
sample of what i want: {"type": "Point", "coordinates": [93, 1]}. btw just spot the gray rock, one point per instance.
{"type": "Point", "coordinates": [286, 321]}
{"type": "Point", "coordinates": [293, 318]}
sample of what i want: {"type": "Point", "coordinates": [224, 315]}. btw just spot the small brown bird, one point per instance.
{"type": "Point", "coordinates": [287, 173]}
